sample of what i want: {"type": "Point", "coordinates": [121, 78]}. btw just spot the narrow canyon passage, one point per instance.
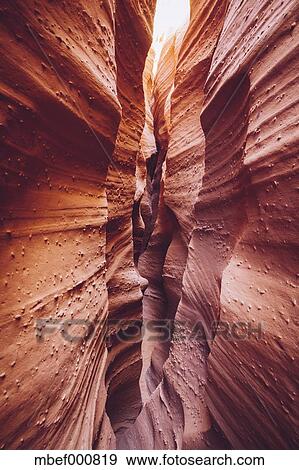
{"type": "Point", "coordinates": [148, 227]}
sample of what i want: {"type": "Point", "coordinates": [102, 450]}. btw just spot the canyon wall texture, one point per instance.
{"type": "Point", "coordinates": [134, 190]}
{"type": "Point", "coordinates": [247, 235]}
{"type": "Point", "coordinates": [72, 113]}
{"type": "Point", "coordinates": [228, 270]}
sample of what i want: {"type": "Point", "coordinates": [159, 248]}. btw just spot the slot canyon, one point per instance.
{"type": "Point", "coordinates": [148, 228]}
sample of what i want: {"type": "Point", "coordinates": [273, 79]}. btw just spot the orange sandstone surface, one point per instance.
{"type": "Point", "coordinates": [138, 189]}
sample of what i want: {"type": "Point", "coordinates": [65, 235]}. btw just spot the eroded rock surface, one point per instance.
{"type": "Point", "coordinates": [72, 113]}
{"type": "Point", "coordinates": [134, 191]}
{"type": "Point", "coordinates": [231, 255]}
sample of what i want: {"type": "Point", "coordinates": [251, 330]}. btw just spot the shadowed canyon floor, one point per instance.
{"type": "Point", "coordinates": [149, 224]}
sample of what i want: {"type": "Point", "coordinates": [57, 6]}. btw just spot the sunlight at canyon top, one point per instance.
{"type": "Point", "coordinates": [170, 16]}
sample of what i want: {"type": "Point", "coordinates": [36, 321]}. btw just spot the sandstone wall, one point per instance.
{"type": "Point", "coordinates": [129, 196]}
{"type": "Point", "coordinates": [70, 96]}
{"type": "Point", "coordinates": [230, 184]}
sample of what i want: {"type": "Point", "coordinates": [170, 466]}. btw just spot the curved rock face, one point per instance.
{"type": "Point", "coordinates": [123, 280]}
{"type": "Point", "coordinates": [228, 270]}
{"type": "Point", "coordinates": [70, 95]}
{"type": "Point", "coordinates": [256, 135]}
{"type": "Point", "coordinates": [157, 220]}
{"type": "Point", "coordinates": [132, 191]}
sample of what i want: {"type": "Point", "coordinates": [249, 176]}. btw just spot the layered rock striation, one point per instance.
{"type": "Point", "coordinates": [230, 268]}
{"type": "Point", "coordinates": [72, 114]}
{"type": "Point", "coordinates": [135, 190]}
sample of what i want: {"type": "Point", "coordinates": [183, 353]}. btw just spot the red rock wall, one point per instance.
{"type": "Point", "coordinates": [123, 280]}
{"type": "Point", "coordinates": [230, 183]}
{"type": "Point", "coordinates": [165, 257]}
{"type": "Point", "coordinates": [256, 136]}
{"type": "Point", "coordinates": [128, 196]}
{"type": "Point", "coordinates": [67, 99]}
{"type": "Point", "coordinates": [157, 230]}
